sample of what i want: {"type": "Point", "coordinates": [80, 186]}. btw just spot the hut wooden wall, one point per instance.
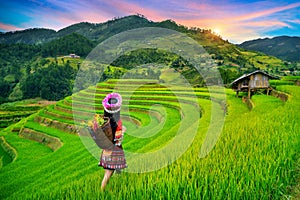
{"type": "Point", "coordinates": [259, 81]}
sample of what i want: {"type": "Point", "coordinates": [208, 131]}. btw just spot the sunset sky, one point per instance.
{"type": "Point", "coordinates": [234, 20]}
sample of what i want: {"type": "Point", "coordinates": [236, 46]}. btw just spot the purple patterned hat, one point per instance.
{"type": "Point", "coordinates": [112, 103]}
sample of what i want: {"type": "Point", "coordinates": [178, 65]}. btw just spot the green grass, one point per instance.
{"type": "Point", "coordinates": [255, 157]}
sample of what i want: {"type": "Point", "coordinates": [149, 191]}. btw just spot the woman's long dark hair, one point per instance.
{"type": "Point", "coordinates": [114, 119]}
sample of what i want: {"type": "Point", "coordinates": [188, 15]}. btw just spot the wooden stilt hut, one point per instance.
{"type": "Point", "coordinates": [252, 82]}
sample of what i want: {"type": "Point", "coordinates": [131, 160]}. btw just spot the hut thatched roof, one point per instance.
{"type": "Point", "coordinates": [247, 75]}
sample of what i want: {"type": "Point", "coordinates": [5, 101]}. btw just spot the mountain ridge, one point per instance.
{"type": "Point", "coordinates": [92, 31]}
{"type": "Point", "coordinates": [284, 47]}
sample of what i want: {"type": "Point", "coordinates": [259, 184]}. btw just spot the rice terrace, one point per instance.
{"type": "Point", "coordinates": [188, 136]}
{"type": "Point", "coordinates": [255, 157]}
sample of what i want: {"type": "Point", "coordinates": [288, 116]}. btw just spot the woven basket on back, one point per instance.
{"type": "Point", "coordinates": [103, 136]}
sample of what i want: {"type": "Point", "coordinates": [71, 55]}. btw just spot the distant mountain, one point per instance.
{"type": "Point", "coordinates": [284, 47]}
{"type": "Point", "coordinates": [28, 36]}
{"type": "Point", "coordinates": [80, 38]}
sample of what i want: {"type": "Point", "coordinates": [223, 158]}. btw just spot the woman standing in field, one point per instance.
{"type": "Point", "coordinates": [113, 159]}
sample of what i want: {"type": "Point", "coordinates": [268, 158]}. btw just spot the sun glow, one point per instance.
{"type": "Point", "coordinates": [217, 31]}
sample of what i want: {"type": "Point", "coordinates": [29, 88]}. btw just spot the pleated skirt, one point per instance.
{"type": "Point", "coordinates": [113, 159]}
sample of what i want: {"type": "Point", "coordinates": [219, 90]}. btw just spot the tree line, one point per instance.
{"type": "Point", "coordinates": [19, 66]}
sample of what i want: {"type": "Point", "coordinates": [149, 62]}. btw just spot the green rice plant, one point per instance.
{"type": "Point", "coordinates": [290, 78]}
{"type": "Point", "coordinates": [255, 157]}
{"type": "Point", "coordinates": [8, 154]}
{"type": "Point", "coordinates": [275, 83]}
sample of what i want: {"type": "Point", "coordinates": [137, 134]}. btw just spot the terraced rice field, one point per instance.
{"type": "Point", "coordinates": [172, 145]}
{"type": "Point", "coordinates": [11, 113]}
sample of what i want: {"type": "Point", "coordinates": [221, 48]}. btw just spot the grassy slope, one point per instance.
{"type": "Point", "coordinates": [253, 159]}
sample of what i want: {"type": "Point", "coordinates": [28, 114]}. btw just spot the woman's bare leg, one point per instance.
{"type": "Point", "coordinates": [106, 177]}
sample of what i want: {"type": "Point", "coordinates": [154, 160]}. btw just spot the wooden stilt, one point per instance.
{"type": "Point", "coordinates": [249, 93]}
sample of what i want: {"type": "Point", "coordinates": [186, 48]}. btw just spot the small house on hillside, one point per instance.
{"type": "Point", "coordinates": [252, 82]}
{"type": "Point", "coordinates": [72, 55]}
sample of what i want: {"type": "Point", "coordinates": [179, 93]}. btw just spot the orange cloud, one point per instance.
{"type": "Point", "coordinates": [234, 24]}
{"type": "Point", "coordinates": [235, 21]}
{"type": "Point", "coordinates": [57, 19]}
{"type": "Point", "coordinates": [236, 31]}
{"type": "Point", "coordinates": [8, 27]}
{"type": "Point", "coordinates": [131, 8]}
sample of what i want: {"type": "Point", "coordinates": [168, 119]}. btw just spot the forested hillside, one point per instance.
{"type": "Point", "coordinates": [68, 44]}
{"type": "Point", "coordinates": [29, 57]}
{"type": "Point", "coordinates": [96, 32]}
